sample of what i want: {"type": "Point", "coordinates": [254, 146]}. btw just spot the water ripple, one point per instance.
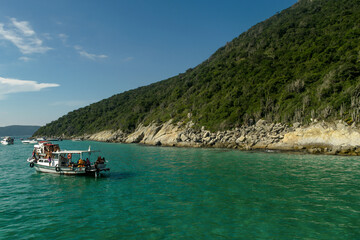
{"type": "Point", "coordinates": [176, 193]}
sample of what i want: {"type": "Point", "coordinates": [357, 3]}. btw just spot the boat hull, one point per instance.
{"type": "Point", "coordinates": [64, 170]}
{"type": "Point", "coordinates": [68, 170]}
{"type": "Point", "coordinates": [7, 141]}
{"type": "Point", "coordinates": [29, 142]}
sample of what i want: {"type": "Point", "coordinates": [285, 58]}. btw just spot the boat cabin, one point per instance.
{"type": "Point", "coordinates": [49, 154]}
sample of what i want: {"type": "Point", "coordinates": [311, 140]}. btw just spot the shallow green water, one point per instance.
{"type": "Point", "coordinates": [178, 193]}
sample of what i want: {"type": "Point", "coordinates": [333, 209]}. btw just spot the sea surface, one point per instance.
{"type": "Point", "coordinates": [182, 193]}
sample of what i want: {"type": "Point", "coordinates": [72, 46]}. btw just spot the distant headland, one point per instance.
{"type": "Point", "coordinates": [18, 130]}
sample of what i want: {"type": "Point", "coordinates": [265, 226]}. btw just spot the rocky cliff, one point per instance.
{"type": "Point", "coordinates": [318, 137]}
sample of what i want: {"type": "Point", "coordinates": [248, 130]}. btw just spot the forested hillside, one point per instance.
{"type": "Point", "coordinates": [302, 63]}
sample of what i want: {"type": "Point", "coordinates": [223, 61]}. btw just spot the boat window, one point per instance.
{"type": "Point", "coordinates": [40, 160]}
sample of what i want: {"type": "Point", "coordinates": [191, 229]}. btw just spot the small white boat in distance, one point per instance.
{"type": "Point", "coordinates": [29, 141]}
{"type": "Point", "coordinates": [53, 139]}
{"type": "Point", "coordinates": [7, 141]}
{"type": "Point", "coordinates": [48, 158]}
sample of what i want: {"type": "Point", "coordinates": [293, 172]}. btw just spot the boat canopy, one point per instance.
{"type": "Point", "coordinates": [74, 151]}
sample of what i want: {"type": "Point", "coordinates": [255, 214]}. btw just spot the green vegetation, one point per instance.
{"type": "Point", "coordinates": [302, 63]}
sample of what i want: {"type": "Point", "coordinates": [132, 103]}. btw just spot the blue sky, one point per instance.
{"type": "Point", "coordinates": [57, 56]}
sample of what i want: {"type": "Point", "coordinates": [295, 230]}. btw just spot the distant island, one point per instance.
{"type": "Point", "coordinates": [18, 130]}
{"type": "Point", "coordinates": [289, 82]}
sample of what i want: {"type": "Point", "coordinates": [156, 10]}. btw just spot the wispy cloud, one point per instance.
{"type": "Point", "coordinates": [128, 59]}
{"type": "Point", "coordinates": [63, 37]}
{"type": "Point", "coordinates": [90, 56]}
{"type": "Point", "coordinates": [9, 85]}
{"type": "Point", "coordinates": [25, 59]}
{"type": "Point", "coordinates": [22, 36]}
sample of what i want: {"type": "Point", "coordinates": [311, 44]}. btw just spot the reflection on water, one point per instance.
{"type": "Point", "coordinates": [179, 193]}
{"type": "Point", "coordinates": [121, 175]}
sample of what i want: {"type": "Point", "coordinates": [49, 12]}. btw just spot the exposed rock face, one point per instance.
{"type": "Point", "coordinates": [106, 136]}
{"type": "Point", "coordinates": [328, 138]}
{"type": "Point", "coordinates": [168, 134]}
{"type": "Point", "coordinates": [165, 134]}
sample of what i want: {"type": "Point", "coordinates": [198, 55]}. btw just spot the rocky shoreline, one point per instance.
{"type": "Point", "coordinates": [336, 138]}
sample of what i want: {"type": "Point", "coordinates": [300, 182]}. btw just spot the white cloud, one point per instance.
{"type": "Point", "coordinates": [63, 37]}
{"type": "Point", "coordinates": [23, 27]}
{"type": "Point", "coordinates": [90, 56]}
{"type": "Point", "coordinates": [22, 36]}
{"type": "Point", "coordinates": [8, 86]}
{"type": "Point", "coordinates": [128, 59]}
{"type": "Point", "coordinates": [25, 59]}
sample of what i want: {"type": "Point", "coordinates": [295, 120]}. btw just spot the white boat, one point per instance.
{"type": "Point", "coordinates": [48, 158]}
{"type": "Point", "coordinates": [7, 141]}
{"type": "Point", "coordinates": [29, 141]}
{"type": "Point", "coordinates": [53, 139]}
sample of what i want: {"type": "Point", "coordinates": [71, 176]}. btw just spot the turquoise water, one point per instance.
{"type": "Point", "coordinates": [179, 193]}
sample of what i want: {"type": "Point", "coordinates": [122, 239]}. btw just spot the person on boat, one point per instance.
{"type": "Point", "coordinates": [34, 155]}
{"type": "Point", "coordinates": [49, 159]}
{"type": "Point", "coordinates": [98, 161]}
{"type": "Point", "coordinates": [81, 163]}
{"type": "Point", "coordinates": [88, 162]}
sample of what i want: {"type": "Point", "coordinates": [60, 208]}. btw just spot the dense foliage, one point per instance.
{"type": "Point", "coordinates": [302, 63]}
